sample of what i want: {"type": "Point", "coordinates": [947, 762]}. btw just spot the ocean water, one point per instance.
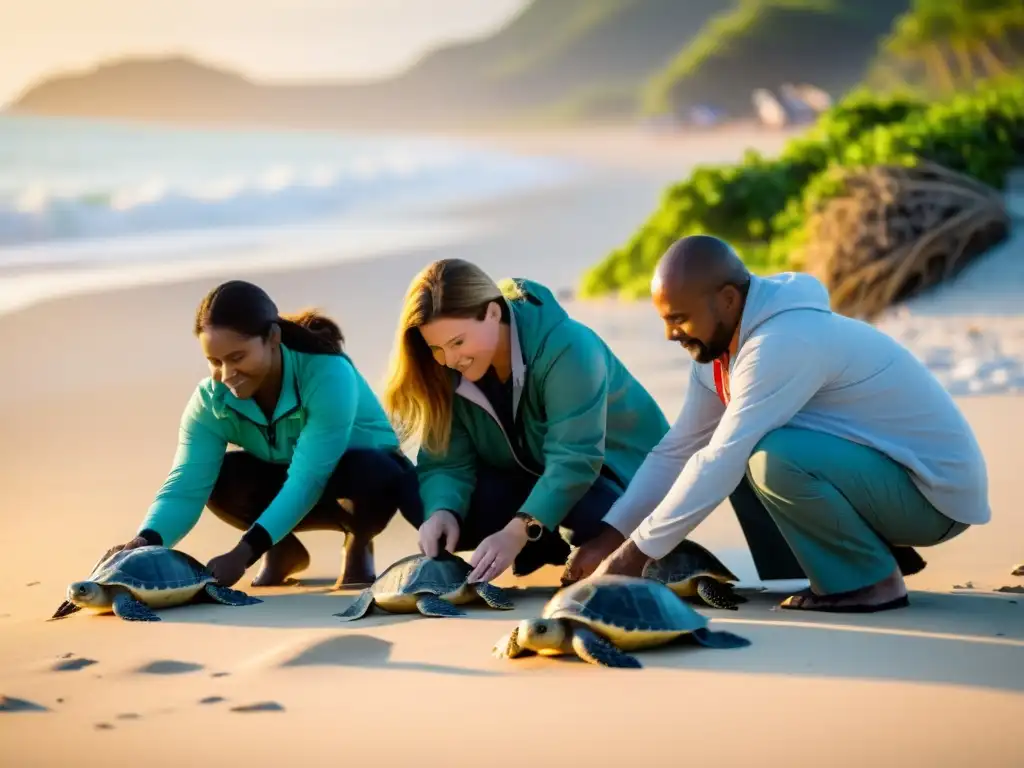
{"type": "Point", "coordinates": [90, 204]}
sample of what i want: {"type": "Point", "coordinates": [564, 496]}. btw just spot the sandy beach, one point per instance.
{"type": "Point", "coordinates": [94, 385]}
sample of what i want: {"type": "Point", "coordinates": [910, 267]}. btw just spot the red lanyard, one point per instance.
{"type": "Point", "coordinates": [722, 378]}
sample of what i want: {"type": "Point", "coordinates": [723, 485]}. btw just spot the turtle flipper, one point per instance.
{"type": "Point", "coordinates": [432, 605]}
{"type": "Point", "coordinates": [715, 594]}
{"type": "Point", "coordinates": [508, 646]}
{"type": "Point", "coordinates": [64, 610]}
{"type": "Point", "coordinates": [128, 608]}
{"type": "Point", "coordinates": [712, 639]}
{"type": "Point", "coordinates": [228, 596]}
{"type": "Point", "coordinates": [593, 648]}
{"type": "Point", "coordinates": [495, 597]}
{"type": "Point", "coordinates": [359, 608]}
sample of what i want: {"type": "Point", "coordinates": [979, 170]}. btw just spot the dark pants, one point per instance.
{"type": "Point", "coordinates": [499, 495]}
{"type": "Point", "coordinates": [377, 482]}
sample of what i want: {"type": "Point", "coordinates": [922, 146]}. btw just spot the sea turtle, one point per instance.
{"type": "Point", "coordinates": [132, 581]}
{"type": "Point", "coordinates": [602, 617]}
{"type": "Point", "coordinates": [432, 586]}
{"type": "Point", "coordinates": [691, 570]}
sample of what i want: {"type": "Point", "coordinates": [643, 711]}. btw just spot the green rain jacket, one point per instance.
{"type": "Point", "coordinates": [580, 409]}
{"type": "Point", "coordinates": [325, 408]}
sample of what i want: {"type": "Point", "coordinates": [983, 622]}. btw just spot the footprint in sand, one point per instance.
{"type": "Point", "coordinates": [69, 664]}
{"type": "Point", "coordinates": [168, 667]}
{"type": "Point", "coordinates": [261, 706]}
{"type": "Point", "coordinates": [220, 674]}
{"type": "Point", "coordinates": [11, 704]}
{"type": "Point", "coordinates": [211, 700]}
{"type": "Point", "coordinates": [103, 727]}
{"type": "Point", "coordinates": [32, 584]}
{"type": "Point", "coordinates": [129, 716]}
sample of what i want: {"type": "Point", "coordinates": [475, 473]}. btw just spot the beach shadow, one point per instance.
{"type": "Point", "coordinates": [315, 609]}
{"type": "Point", "coordinates": [944, 639]}
{"type": "Point", "coordinates": [357, 650]}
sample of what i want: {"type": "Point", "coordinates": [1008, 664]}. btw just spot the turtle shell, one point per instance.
{"type": "Point", "coordinates": [152, 569]}
{"type": "Point", "coordinates": [418, 575]}
{"type": "Point", "coordinates": [686, 562]}
{"type": "Point", "coordinates": [632, 612]}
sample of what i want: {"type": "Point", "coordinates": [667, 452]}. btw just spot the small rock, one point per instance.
{"type": "Point", "coordinates": [220, 674]}
{"type": "Point", "coordinates": [103, 727]}
{"type": "Point", "coordinates": [1018, 571]}
{"type": "Point", "coordinates": [968, 585]}
{"type": "Point", "coordinates": [32, 584]}
{"type": "Point", "coordinates": [211, 700]}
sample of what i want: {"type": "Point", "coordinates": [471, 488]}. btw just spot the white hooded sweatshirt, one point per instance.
{"type": "Point", "coordinates": [799, 364]}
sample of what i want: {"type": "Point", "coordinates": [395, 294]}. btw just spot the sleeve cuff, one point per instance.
{"type": "Point", "coordinates": [259, 542]}
{"type": "Point", "coordinates": [152, 538]}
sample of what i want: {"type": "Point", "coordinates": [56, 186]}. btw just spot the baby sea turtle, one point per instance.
{"type": "Point", "coordinates": [601, 618]}
{"type": "Point", "coordinates": [691, 570]}
{"type": "Point", "coordinates": [132, 581]}
{"type": "Point", "coordinates": [432, 586]}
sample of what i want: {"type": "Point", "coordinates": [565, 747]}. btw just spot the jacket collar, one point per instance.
{"type": "Point", "coordinates": [287, 402]}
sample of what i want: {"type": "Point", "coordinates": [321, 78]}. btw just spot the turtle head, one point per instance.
{"type": "Point", "coordinates": [542, 635]}
{"type": "Point", "coordinates": [87, 593]}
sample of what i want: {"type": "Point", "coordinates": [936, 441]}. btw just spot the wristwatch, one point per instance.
{"type": "Point", "coordinates": [534, 527]}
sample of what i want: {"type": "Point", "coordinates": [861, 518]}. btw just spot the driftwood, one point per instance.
{"type": "Point", "coordinates": [897, 231]}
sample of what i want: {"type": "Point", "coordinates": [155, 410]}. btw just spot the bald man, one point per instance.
{"type": "Point", "coordinates": [838, 449]}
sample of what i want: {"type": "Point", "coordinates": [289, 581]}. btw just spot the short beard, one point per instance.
{"type": "Point", "coordinates": [717, 346]}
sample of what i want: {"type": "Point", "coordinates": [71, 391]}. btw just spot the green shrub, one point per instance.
{"type": "Point", "coordinates": [741, 202]}
{"type": "Point", "coordinates": [980, 134]}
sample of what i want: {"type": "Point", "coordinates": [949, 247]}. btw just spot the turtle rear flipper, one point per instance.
{"type": "Point", "coordinates": [716, 595]}
{"type": "Point", "coordinates": [228, 596]}
{"type": "Point", "coordinates": [432, 605]}
{"type": "Point", "coordinates": [593, 648]}
{"type": "Point", "coordinates": [360, 606]}
{"type": "Point", "coordinates": [712, 639]}
{"type": "Point", "coordinates": [128, 608]}
{"type": "Point", "coordinates": [64, 610]}
{"type": "Point", "coordinates": [495, 597]}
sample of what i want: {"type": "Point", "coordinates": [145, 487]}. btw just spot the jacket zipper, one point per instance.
{"type": "Point", "coordinates": [270, 429]}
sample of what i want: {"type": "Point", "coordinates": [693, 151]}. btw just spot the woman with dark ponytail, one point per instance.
{"type": "Point", "coordinates": [317, 450]}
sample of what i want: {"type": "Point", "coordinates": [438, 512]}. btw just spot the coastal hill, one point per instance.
{"type": "Point", "coordinates": [555, 60]}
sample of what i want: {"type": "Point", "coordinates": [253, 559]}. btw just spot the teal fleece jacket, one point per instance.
{"type": "Point", "coordinates": [581, 409]}
{"type": "Point", "coordinates": [325, 408]}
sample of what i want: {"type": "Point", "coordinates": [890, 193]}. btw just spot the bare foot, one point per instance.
{"type": "Point", "coordinates": [887, 594]}
{"type": "Point", "coordinates": [286, 557]}
{"type": "Point", "coordinates": [358, 570]}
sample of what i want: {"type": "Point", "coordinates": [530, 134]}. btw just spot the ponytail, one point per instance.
{"type": "Point", "coordinates": [311, 333]}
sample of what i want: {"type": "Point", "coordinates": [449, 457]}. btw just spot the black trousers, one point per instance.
{"type": "Point", "coordinates": [499, 495]}
{"type": "Point", "coordinates": [378, 483]}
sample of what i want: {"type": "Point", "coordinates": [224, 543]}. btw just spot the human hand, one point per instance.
{"type": "Point", "coordinates": [627, 560]}
{"type": "Point", "coordinates": [441, 524]}
{"type": "Point", "coordinates": [585, 559]}
{"type": "Point", "coordinates": [229, 567]}
{"type": "Point", "coordinates": [496, 553]}
{"type": "Point", "coordinates": [138, 541]}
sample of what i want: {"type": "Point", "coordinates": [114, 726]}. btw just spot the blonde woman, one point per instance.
{"type": "Point", "coordinates": [527, 423]}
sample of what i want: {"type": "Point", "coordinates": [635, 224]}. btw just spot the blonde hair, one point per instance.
{"type": "Point", "coordinates": [418, 393]}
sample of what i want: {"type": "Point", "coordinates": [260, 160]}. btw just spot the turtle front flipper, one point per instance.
{"type": "Point", "coordinates": [712, 639]}
{"type": "Point", "coordinates": [432, 605]}
{"type": "Point", "coordinates": [495, 597]}
{"type": "Point", "coordinates": [228, 596]}
{"type": "Point", "coordinates": [715, 594]}
{"type": "Point", "coordinates": [359, 607]}
{"type": "Point", "coordinates": [128, 608]}
{"type": "Point", "coordinates": [64, 610]}
{"type": "Point", "coordinates": [593, 648]}
{"type": "Point", "coordinates": [508, 646]}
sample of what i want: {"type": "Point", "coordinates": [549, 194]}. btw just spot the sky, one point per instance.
{"type": "Point", "coordinates": [263, 39]}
